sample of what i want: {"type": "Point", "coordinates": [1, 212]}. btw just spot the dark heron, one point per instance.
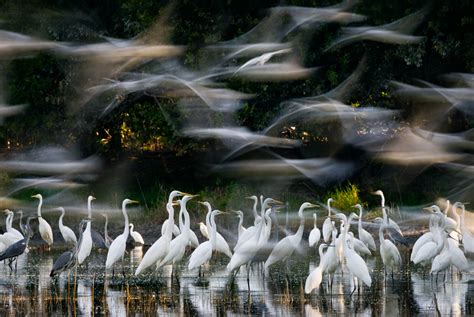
{"type": "Point", "coordinates": [98, 240]}
{"type": "Point", "coordinates": [17, 248]}
{"type": "Point", "coordinates": [68, 259]}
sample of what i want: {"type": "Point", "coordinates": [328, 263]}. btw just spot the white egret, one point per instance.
{"type": "Point", "coordinates": [315, 278]}
{"type": "Point", "coordinates": [241, 228]}
{"type": "Point", "coordinates": [387, 220]}
{"type": "Point", "coordinates": [160, 248]}
{"type": "Point", "coordinates": [430, 249]}
{"type": "Point", "coordinates": [391, 257]}
{"type": "Point", "coordinates": [11, 235]}
{"type": "Point", "coordinates": [252, 230]}
{"type": "Point", "coordinates": [354, 261]}
{"type": "Point", "coordinates": [221, 244]}
{"type": "Point", "coordinates": [358, 245]}
{"type": "Point", "coordinates": [244, 253]}
{"type": "Point", "coordinates": [364, 235]}
{"type": "Point", "coordinates": [136, 236]}
{"type": "Point", "coordinates": [178, 244]}
{"type": "Point", "coordinates": [257, 217]}
{"type": "Point", "coordinates": [68, 235]}
{"type": "Point", "coordinates": [286, 246]}
{"type": "Point", "coordinates": [23, 228]}
{"type": "Point", "coordinates": [192, 239]}
{"type": "Point", "coordinates": [203, 252]}
{"type": "Point", "coordinates": [44, 228]}
{"type": "Point", "coordinates": [327, 225]}
{"type": "Point", "coordinates": [442, 261]}
{"type": "Point", "coordinates": [425, 238]}
{"type": "Point", "coordinates": [118, 246]}
{"type": "Point", "coordinates": [203, 229]}
{"type": "Point", "coordinates": [176, 230]}
{"type": "Point", "coordinates": [315, 233]}
{"type": "Point", "coordinates": [85, 247]}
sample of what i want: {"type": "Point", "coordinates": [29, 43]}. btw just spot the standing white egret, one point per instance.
{"type": "Point", "coordinates": [327, 225]}
{"type": "Point", "coordinates": [354, 261]}
{"type": "Point", "coordinates": [315, 233]}
{"type": "Point", "coordinates": [44, 228]}
{"type": "Point", "coordinates": [257, 217]}
{"type": "Point", "coordinates": [178, 244]}
{"type": "Point", "coordinates": [221, 244]}
{"type": "Point", "coordinates": [364, 235]}
{"type": "Point", "coordinates": [286, 246]}
{"type": "Point", "coordinates": [245, 252]}
{"type": "Point", "coordinates": [252, 230]}
{"type": "Point", "coordinates": [136, 236]}
{"type": "Point", "coordinates": [118, 246]}
{"type": "Point", "coordinates": [241, 229]}
{"type": "Point", "coordinates": [193, 240]}
{"type": "Point", "coordinates": [68, 235]}
{"type": "Point", "coordinates": [160, 248]}
{"type": "Point", "coordinates": [430, 249]}
{"type": "Point", "coordinates": [315, 278]}
{"type": "Point", "coordinates": [85, 247]}
{"type": "Point", "coordinates": [203, 252]}
{"type": "Point", "coordinates": [391, 257]}
{"type": "Point", "coordinates": [387, 220]}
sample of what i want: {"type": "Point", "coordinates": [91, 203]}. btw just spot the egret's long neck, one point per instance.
{"type": "Point", "coordinates": [329, 208]}
{"type": "Point", "coordinates": [360, 218]}
{"type": "Point", "coordinates": [39, 206]}
{"type": "Point", "coordinates": [383, 200]}
{"type": "Point", "coordinates": [169, 229]}
{"type": "Point", "coordinates": [187, 224]}
{"type": "Point", "coordinates": [79, 241]}
{"type": "Point", "coordinates": [9, 221]}
{"type": "Point", "coordinates": [126, 230]}
{"type": "Point", "coordinates": [208, 219]}
{"type": "Point", "coordinates": [254, 210]}
{"type": "Point", "coordinates": [213, 231]}
{"type": "Point", "coordinates": [241, 221]}
{"type": "Point", "coordinates": [381, 237]}
{"type": "Point", "coordinates": [61, 218]}
{"type": "Point", "coordinates": [89, 209]}
{"type": "Point", "coordinates": [180, 217]}
{"type": "Point", "coordinates": [105, 227]}
{"type": "Point", "coordinates": [301, 227]}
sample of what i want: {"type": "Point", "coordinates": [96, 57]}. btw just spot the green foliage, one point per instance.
{"type": "Point", "coordinates": [344, 197]}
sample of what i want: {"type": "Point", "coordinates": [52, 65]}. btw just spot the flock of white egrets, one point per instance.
{"type": "Point", "coordinates": [444, 245]}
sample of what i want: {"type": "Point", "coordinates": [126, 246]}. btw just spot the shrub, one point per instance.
{"type": "Point", "coordinates": [344, 197]}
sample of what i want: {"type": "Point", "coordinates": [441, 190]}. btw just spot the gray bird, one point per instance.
{"type": "Point", "coordinates": [68, 260]}
{"type": "Point", "coordinates": [17, 248]}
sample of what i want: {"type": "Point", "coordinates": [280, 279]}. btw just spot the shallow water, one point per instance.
{"type": "Point", "coordinates": [31, 291]}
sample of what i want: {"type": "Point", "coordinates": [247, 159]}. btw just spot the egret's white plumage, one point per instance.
{"type": "Point", "coordinates": [136, 236]}
{"type": "Point", "coordinates": [286, 246]}
{"type": "Point", "coordinates": [68, 235]}
{"type": "Point", "coordinates": [160, 248]}
{"type": "Point", "coordinates": [354, 261]}
{"type": "Point", "coordinates": [178, 244]}
{"type": "Point", "coordinates": [86, 244]}
{"type": "Point", "coordinates": [364, 235]}
{"type": "Point", "coordinates": [327, 225]}
{"type": "Point", "coordinates": [315, 233]}
{"type": "Point", "coordinates": [118, 246]}
{"type": "Point", "coordinates": [44, 228]}
{"type": "Point", "coordinates": [203, 252]}
{"type": "Point", "coordinates": [315, 278]}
